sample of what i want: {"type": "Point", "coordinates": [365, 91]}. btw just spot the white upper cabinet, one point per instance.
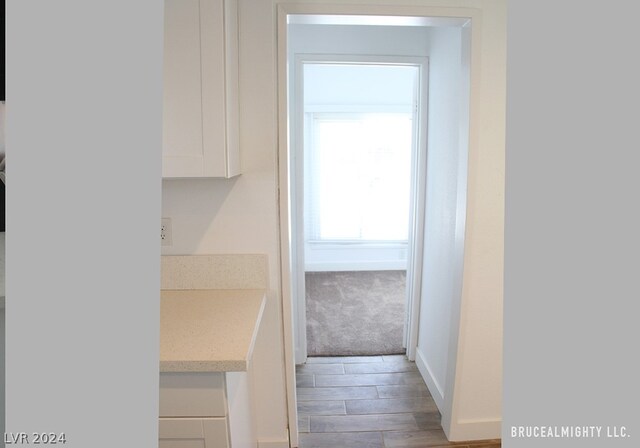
{"type": "Point", "coordinates": [200, 115]}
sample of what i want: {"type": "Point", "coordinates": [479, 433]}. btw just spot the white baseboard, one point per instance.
{"type": "Point", "coordinates": [480, 429]}
{"type": "Point", "coordinates": [338, 266]}
{"type": "Point", "coordinates": [432, 384]}
{"type": "Point", "coordinates": [462, 430]}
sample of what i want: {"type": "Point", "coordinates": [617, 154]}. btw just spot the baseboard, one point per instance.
{"type": "Point", "coordinates": [280, 443]}
{"type": "Point", "coordinates": [475, 429]}
{"type": "Point", "coordinates": [432, 384]}
{"type": "Point", "coordinates": [356, 266]}
{"type": "Point", "coordinates": [462, 430]}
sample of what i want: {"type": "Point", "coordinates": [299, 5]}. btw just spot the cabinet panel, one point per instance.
{"type": "Point", "coordinates": [240, 416]}
{"type": "Point", "coordinates": [193, 433]}
{"type": "Point", "coordinates": [182, 110]}
{"type": "Point", "coordinates": [214, 118]}
{"type": "Point", "coordinates": [199, 394]}
{"type": "Point", "coordinates": [232, 74]}
{"type": "Point", "coordinates": [201, 131]}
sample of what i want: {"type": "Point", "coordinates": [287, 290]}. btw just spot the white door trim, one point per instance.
{"type": "Point", "coordinates": [287, 259]}
{"type": "Point", "coordinates": [296, 178]}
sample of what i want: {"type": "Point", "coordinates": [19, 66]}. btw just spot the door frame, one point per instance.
{"type": "Point", "coordinates": [417, 191]}
{"type": "Point", "coordinates": [434, 14]}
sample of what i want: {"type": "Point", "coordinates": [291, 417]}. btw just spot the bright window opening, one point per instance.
{"type": "Point", "coordinates": [359, 173]}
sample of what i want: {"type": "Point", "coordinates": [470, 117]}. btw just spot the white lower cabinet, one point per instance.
{"type": "Point", "coordinates": [193, 433]}
{"type": "Point", "coordinates": [206, 410]}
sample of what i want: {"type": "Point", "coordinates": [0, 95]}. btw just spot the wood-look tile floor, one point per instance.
{"type": "Point", "coordinates": [368, 402]}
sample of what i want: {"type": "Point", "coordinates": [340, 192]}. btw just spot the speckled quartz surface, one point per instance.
{"type": "Point", "coordinates": [220, 271]}
{"type": "Point", "coordinates": [209, 330]}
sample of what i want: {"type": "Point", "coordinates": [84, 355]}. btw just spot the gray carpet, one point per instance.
{"type": "Point", "coordinates": [355, 313]}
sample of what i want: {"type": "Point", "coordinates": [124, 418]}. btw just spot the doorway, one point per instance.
{"type": "Point", "coordinates": [438, 188]}
{"type": "Point", "coordinates": [381, 91]}
{"type": "Point", "coordinates": [356, 134]}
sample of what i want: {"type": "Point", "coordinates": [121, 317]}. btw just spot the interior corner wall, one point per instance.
{"type": "Point", "coordinates": [440, 258]}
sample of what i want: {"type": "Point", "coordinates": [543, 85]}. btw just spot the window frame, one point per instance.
{"type": "Point", "coordinates": [311, 225]}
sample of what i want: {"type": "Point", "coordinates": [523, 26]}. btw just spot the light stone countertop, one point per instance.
{"type": "Point", "coordinates": [209, 330]}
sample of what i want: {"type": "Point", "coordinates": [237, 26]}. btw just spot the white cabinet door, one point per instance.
{"type": "Point", "coordinates": [192, 394]}
{"type": "Point", "coordinates": [200, 112]}
{"type": "Point", "coordinates": [182, 111]}
{"type": "Point", "coordinates": [193, 433]}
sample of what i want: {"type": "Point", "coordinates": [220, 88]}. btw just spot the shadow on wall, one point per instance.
{"type": "Point", "coordinates": [192, 205]}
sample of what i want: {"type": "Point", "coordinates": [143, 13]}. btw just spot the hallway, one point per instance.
{"type": "Point", "coordinates": [368, 401]}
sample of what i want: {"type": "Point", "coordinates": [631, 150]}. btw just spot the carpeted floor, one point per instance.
{"type": "Point", "coordinates": [355, 313]}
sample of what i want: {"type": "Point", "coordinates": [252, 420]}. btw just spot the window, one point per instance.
{"type": "Point", "coordinates": [359, 171]}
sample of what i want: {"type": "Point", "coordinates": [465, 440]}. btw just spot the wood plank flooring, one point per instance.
{"type": "Point", "coordinates": [368, 402]}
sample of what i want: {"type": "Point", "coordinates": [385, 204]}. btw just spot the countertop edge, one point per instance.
{"type": "Point", "coordinates": [228, 365]}
{"type": "Point", "coordinates": [203, 366]}
{"type": "Point", "coordinates": [256, 330]}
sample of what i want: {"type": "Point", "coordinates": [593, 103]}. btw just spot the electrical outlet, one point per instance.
{"type": "Point", "coordinates": [165, 231]}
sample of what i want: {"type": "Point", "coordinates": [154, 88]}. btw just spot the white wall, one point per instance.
{"type": "Point", "coordinates": [355, 85]}
{"type": "Point", "coordinates": [440, 259]}
{"type": "Point", "coordinates": [359, 39]}
{"type": "Point", "coordinates": [477, 401]}
{"type": "Point", "coordinates": [462, 276]}
{"type": "Point", "coordinates": [241, 215]}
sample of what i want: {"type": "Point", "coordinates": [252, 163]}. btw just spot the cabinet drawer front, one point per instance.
{"type": "Point", "coordinates": [192, 395]}
{"type": "Point", "coordinates": [193, 433]}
